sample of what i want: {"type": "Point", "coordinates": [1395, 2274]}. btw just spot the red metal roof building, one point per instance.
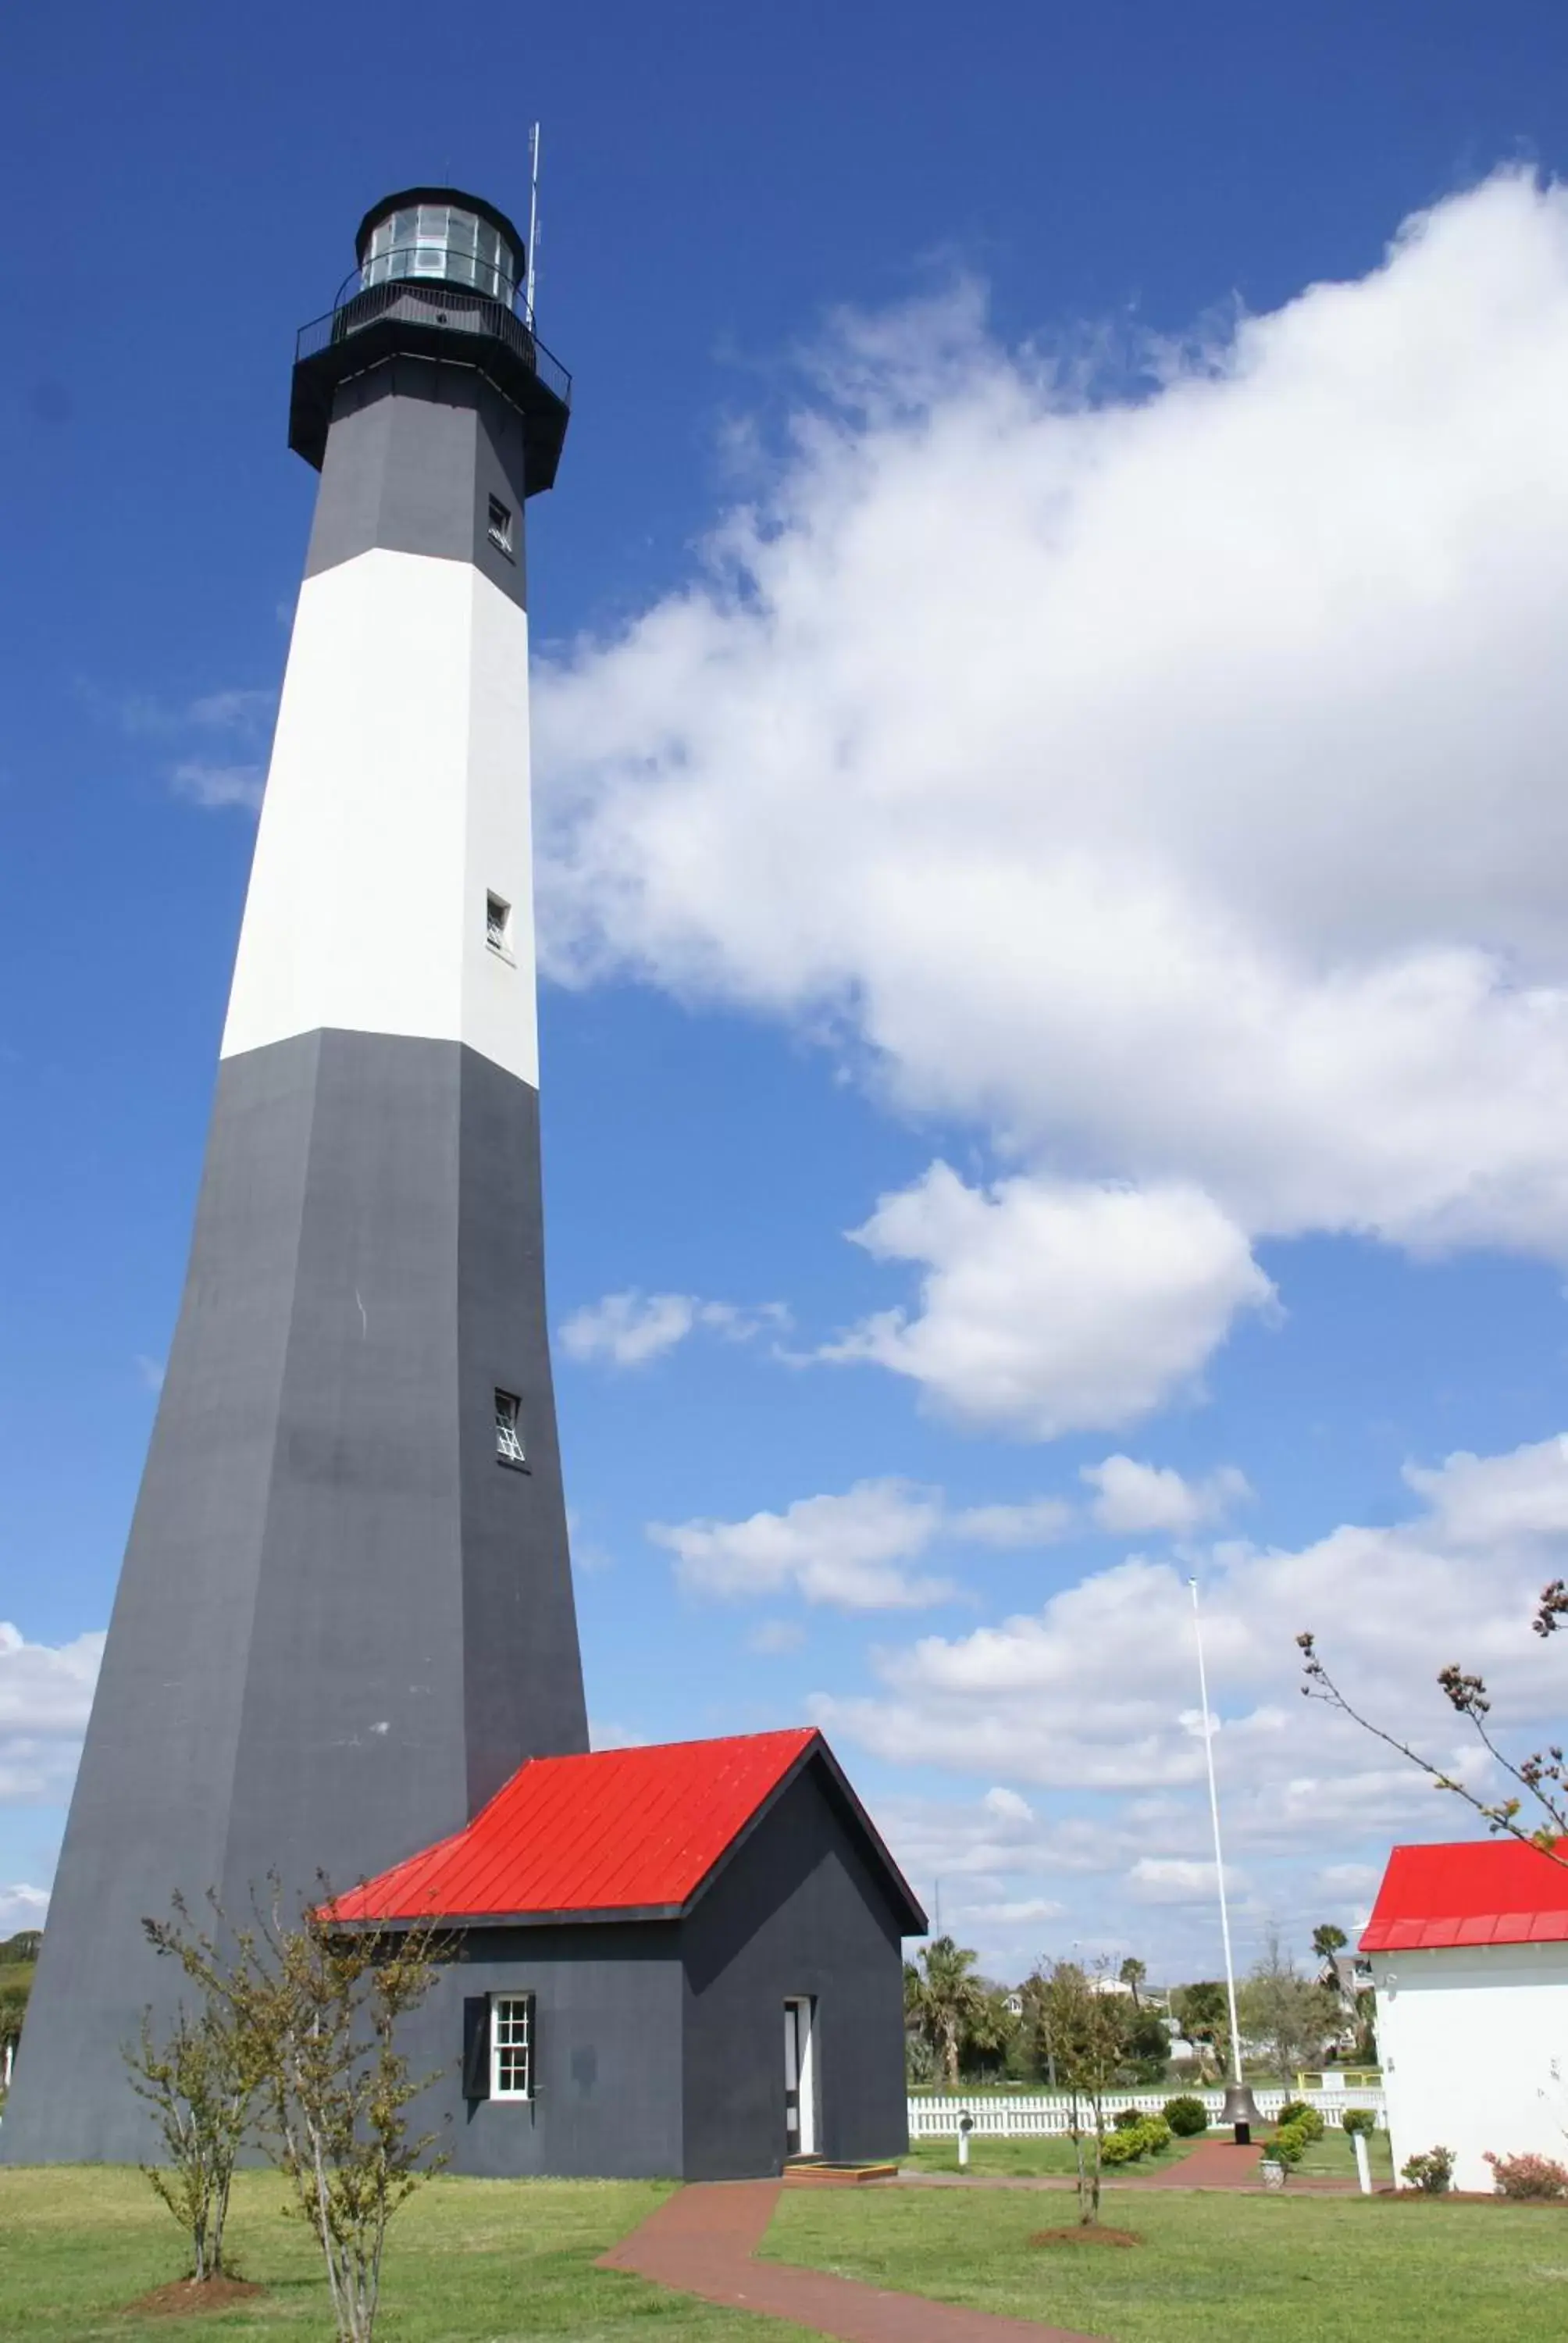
{"type": "Point", "coordinates": [1468, 1947]}
{"type": "Point", "coordinates": [686, 1959]}
{"type": "Point", "coordinates": [1477, 1892]}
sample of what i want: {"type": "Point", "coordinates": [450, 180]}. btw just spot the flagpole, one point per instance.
{"type": "Point", "coordinates": [1241, 2118]}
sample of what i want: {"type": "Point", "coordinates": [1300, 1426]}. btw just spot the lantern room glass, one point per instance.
{"type": "Point", "coordinates": [444, 243]}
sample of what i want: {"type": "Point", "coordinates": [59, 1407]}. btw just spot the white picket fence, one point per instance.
{"type": "Point", "coordinates": [1021, 2115]}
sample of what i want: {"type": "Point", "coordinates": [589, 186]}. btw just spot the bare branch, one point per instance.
{"type": "Point", "coordinates": [1540, 1776]}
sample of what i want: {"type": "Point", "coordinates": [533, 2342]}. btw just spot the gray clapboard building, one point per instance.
{"type": "Point", "coordinates": [344, 1619]}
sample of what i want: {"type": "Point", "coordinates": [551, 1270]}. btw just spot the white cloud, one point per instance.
{"type": "Point", "coordinates": [1038, 1520]}
{"type": "Point", "coordinates": [233, 711]}
{"type": "Point", "coordinates": [632, 1329]}
{"type": "Point", "coordinates": [1477, 1500]}
{"type": "Point", "coordinates": [1348, 1878]}
{"type": "Point", "coordinates": [1007, 1914]}
{"type": "Point", "coordinates": [46, 1694]}
{"type": "Point", "coordinates": [1049, 1306]}
{"type": "Point", "coordinates": [610, 1732]}
{"type": "Point", "coordinates": [848, 1550]}
{"type": "Point", "coordinates": [215, 786]}
{"type": "Point", "coordinates": [628, 1329]}
{"type": "Point", "coordinates": [1160, 776]}
{"type": "Point", "coordinates": [242, 718]}
{"type": "Point", "coordinates": [22, 1907]}
{"type": "Point", "coordinates": [1175, 1879]}
{"type": "Point", "coordinates": [1133, 1497]}
{"type": "Point", "coordinates": [1096, 1691]}
{"type": "Point", "coordinates": [772, 1637]}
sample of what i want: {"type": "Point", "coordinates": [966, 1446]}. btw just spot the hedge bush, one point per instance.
{"type": "Point", "coordinates": [1127, 2142]}
{"type": "Point", "coordinates": [1127, 2119]}
{"type": "Point", "coordinates": [1290, 2143]}
{"type": "Point", "coordinates": [1526, 2175]}
{"type": "Point", "coordinates": [1292, 2112]}
{"type": "Point", "coordinates": [1431, 2172]}
{"type": "Point", "coordinates": [1356, 2119]}
{"type": "Point", "coordinates": [1186, 2116]}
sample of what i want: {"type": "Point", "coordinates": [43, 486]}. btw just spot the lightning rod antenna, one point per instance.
{"type": "Point", "coordinates": [533, 221]}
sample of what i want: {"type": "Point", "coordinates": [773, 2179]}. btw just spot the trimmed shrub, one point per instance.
{"type": "Point", "coordinates": [1289, 2143]}
{"type": "Point", "coordinates": [1526, 2175]}
{"type": "Point", "coordinates": [1186, 2116]}
{"type": "Point", "coordinates": [1431, 2172]}
{"type": "Point", "coordinates": [1127, 2119]}
{"type": "Point", "coordinates": [1292, 2111]}
{"type": "Point", "coordinates": [1356, 2119]}
{"type": "Point", "coordinates": [1127, 2142]}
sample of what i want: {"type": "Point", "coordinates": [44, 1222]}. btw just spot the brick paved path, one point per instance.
{"type": "Point", "coordinates": [701, 2241]}
{"type": "Point", "coordinates": [1215, 2164]}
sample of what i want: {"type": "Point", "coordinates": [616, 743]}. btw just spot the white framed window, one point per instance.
{"type": "Point", "coordinates": [511, 2045]}
{"type": "Point", "coordinates": [498, 924]}
{"type": "Point", "coordinates": [508, 1429]}
{"type": "Point", "coordinates": [500, 528]}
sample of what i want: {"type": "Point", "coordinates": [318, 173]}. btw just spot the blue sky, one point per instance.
{"type": "Point", "coordinates": [1113, 689]}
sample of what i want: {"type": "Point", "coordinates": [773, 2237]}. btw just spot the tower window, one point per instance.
{"type": "Point", "coordinates": [500, 528]}
{"type": "Point", "coordinates": [508, 1429]}
{"type": "Point", "coordinates": [512, 2045]}
{"type": "Point", "coordinates": [497, 924]}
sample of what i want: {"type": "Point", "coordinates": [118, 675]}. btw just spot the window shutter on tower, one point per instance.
{"type": "Point", "coordinates": [477, 2045]}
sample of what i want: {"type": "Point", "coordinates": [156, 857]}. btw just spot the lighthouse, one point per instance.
{"type": "Point", "coordinates": [345, 1616]}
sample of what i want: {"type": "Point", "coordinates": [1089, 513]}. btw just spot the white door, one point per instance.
{"type": "Point", "coordinates": [800, 2079]}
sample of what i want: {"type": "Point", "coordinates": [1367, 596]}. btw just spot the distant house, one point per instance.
{"type": "Point", "coordinates": [684, 1960]}
{"type": "Point", "coordinates": [1468, 1946]}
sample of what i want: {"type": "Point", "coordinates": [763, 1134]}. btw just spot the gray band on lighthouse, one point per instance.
{"type": "Point", "coordinates": [419, 450]}
{"type": "Point", "coordinates": [341, 1620]}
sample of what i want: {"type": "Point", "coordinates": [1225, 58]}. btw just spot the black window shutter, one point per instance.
{"type": "Point", "coordinates": [477, 2045]}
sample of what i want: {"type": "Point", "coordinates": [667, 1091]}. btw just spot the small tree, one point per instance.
{"type": "Point", "coordinates": [317, 2007]}
{"type": "Point", "coordinates": [945, 2001]}
{"type": "Point", "coordinates": [1132, 1974]}
{"type": "Point", "coordinates": [1327, 1943]}
{"type": "Point", "coordinates": [1203, 2012]}
{"type": "Point", "coordinates": [1287, 2014]}
{"type": "Point", "coordinates": [1148, 2047]}
{"type": "Point", "coordinates": [199, 2083]}
{"type": "Point", "coordinates": [1085, 2035]}
{"type": "Point", "coordinates": [991, 2030]}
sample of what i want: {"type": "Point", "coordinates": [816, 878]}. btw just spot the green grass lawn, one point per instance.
{"type": "Point", "coordinates": [1019, 2159]}
{"type": "Point", "coordinates": [470, 2261]}
{"type": "Point", "coordinates": [1250, 2269]}
{"type": "Point", "coordinates": [476, 2261]}
{"type": "Point", "coordinates": [1333, 2157]}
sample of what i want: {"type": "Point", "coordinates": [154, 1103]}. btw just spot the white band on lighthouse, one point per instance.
{"type": "Point", "coordinates": [397, 818]}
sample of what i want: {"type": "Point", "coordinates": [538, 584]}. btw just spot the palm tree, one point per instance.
{"type": "Point", "coordinates": [944, 2000]}
{"type": "Point", "coordinates": [1132, 1973]}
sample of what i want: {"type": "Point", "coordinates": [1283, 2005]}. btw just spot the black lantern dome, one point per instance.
{"type": "Point", "coordinates": [441, 277]}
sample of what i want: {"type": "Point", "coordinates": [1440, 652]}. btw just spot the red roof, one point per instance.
{"type": "Point", "coordinates": [619, 1832]}
{"type": "Point", "coordinates": [1482, 1892]}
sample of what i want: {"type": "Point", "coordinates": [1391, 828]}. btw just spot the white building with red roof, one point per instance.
{"type": "Point", "coordinates": [1469, 1952]}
